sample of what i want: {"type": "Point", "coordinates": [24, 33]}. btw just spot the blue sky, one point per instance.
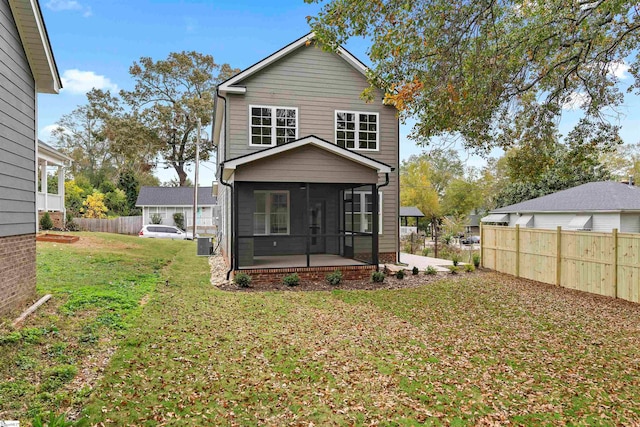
{"type": "Point", "coordinates": [95, 42]}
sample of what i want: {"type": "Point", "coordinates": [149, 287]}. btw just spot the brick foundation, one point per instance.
{"type": "Point", "coordinates": [17, 271]}
{"type": "Point", "coordinates": [275, 275]}
{"type": "Point", "coordinates": [56, 217]}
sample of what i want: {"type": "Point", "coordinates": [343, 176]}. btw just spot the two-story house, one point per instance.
{"type": "Point", "coordinates": [27, 68]}
{"type": "Point", "coordinates": [308, 171]}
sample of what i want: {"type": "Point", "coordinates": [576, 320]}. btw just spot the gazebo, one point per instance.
{"type": "Point", "coordinates": [409, 212]}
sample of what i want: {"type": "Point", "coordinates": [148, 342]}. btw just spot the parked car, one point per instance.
{"type": "Point", "coordinates": [471, 240]}
{"type": "Point", "coordinates": [157, 231]}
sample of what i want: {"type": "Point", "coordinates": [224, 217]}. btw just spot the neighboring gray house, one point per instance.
{"type": "Point", "coordinates": [166, 201]}
{"type": "Point", "coordinates": [596, 206]}
{"type": "Point", "coordinates": [308, 171]}
{"type": "Point", "coordinates": [27, 68]}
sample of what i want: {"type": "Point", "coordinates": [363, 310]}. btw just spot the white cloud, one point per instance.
{"type": "Point", "coordinates": [619, 70]}
{"type": "Point", "coordinates": [575, 101]}
{"type": "Point", "coordinates": [81, 82]}
{"type": "Point", "coordinates": [62, 5]}
{"type": "Point", "coordinates": [45, 132]}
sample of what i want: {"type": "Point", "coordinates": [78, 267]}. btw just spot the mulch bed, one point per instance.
{"type": "Point", "coordinates": [58, 238]}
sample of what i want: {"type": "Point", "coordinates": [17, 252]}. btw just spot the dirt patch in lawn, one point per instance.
{"type": "Point", "coordinates": [99, 242]}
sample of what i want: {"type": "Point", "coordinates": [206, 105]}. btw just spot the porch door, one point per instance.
{"type": "Point", "coordinates": [317, 213]}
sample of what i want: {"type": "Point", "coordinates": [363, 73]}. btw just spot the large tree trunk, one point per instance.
{"type": "Point", "coordinates": [182, 175]}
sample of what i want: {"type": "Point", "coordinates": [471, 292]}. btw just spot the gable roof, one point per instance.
{"type": "Point", "coordinates": [410, 211]}
{"type": "Point", "coordinates": [229, 85]}
{"type": "Point", "coordinates": [605, 196]}
{"type": "Point", "coordinates": [174, 196]}
{"type": "Point", "coordinates": [230, 165]}
{"type": "Point", "coordinates": [35, 40]}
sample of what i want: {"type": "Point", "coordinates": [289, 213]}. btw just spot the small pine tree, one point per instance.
{"type": "Point", "coordinates": [46, 223]}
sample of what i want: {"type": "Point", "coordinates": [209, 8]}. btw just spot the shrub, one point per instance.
{"type": "Point", "coordinates": [426, 251]}
{"type": "Point", "coordinates": [10, 338]}
{"type": "Point", "coordinates": [291, 280]}
{"type": "Point", "coordinates": [46, 223]}
{"type": "Point", "coordinates": [178, 220]}
{"type": "Point", "coordinates": [334, 278]}
{"type": "Point", "coordinates": [71, 224]}
{"type": "Point", "coordinates": [377, 277]}
{"type": "Point", "coordinates": [453, 269]}
{"type": "Point", "coordinates": [156, 219]}
{"type": "Point", "coordinates": [447, 239]}
{"type": "Point", "coordinates": [242, 279]}
{"type": "Point", "coordinates": [400, 274]}
{"type": "Point", "coordinates": [469, 268]}
{"type": "Point", "coordinates": [476, 260]}
{"type": "Point", "coordinates": [415, 271]}
{"type": "Point", "coordinates": [431, 271]}
{"type": "Point", "coordinates": [455, 258]}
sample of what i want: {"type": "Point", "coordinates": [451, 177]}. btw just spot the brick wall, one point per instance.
{"type": "Point", "coordinates": [17, 271]}
{"type": "Point", "coordinates": [57, 218]}
{"type": "Point", "coordinates": [275, 275]}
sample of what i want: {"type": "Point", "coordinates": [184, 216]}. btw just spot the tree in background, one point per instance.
{"type": "Point", "coordinates": [416, 188]}
{"type": "Point", "coordinates": [129, 184]}
{"type": "Point", "coordinates": [169, 97]}
{"type": "Point", "coordinates": [624, 162]}
{"type": "Point", "coordinates": [482, 69]}
{"type": "Point", "coordinates": [73, 198]}
{"type": "Point", "coordinates": [93, 206]}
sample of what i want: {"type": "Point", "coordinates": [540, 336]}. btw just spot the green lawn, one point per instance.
{"type": "Point", "coordinates": [479, 349]}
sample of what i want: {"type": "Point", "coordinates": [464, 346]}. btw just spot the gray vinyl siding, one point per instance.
{"type": "Point", "coordinates": [318, 83]}
{"type": "Point", "coordinates": [17, 132]}
{"type": "Point", "coordinates": [630, 223]}
{"type": "Point", "coordinates": [307, 164]}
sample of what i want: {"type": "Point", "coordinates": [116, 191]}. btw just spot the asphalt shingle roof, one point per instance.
{"type": "Point", "coordinates": [174, 196]}
{"type": "Point", "coordinates": [410, 211]}
{"type": "Point", "coordinates": [590, 197]}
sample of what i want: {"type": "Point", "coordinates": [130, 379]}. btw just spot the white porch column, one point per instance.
{"type": "Point", "coordinates": [61, 193]}
{"type": "Point", "coordinates": [43, 183]}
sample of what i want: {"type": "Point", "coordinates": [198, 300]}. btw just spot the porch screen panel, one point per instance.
{"type": "Point", "coordinates": [260, 214]}
{"type": "Point", "coordinates": [271, 214]}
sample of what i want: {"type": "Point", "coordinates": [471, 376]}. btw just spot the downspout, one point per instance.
{"type": "Point", "coordinates": [378, 187]}
{"type": "Point", "coordinates": [221, 178]}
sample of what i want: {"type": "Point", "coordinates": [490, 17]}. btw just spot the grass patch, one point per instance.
{"type": "Point", "coordinates": [97, 285]}
{"type": "Point", "coordinates": [481, 349]}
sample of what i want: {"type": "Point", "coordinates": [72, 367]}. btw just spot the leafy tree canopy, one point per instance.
{"type": "Point", "coordinates": [489, 71]}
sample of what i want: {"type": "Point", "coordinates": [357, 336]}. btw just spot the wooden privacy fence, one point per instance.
{"type": "Point", "coordinates": [600, 263]}
{"type": "Point", "coordinates": [120, 225]}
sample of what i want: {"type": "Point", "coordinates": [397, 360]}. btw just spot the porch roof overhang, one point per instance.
{"type": "Point", "coordinates": [52, 156]}
{"type": "Point", "coordinates": [230, 166]}
{"type": "Point", "coordinates": [35, 40]}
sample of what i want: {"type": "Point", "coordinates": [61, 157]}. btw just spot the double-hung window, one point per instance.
{"type": "Point", "coordinates": [357, 130]}
{"type": "Point", "coordinates": [271, 126]}
{"type": "Point", "coordinates": [271, 215]}
{"type": "Point", "coordinates": [359, 212]}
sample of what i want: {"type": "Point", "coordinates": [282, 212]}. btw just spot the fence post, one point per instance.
{"type": "Point", "coordinates": [615, 260]}
{"type": "Point", "coordinates": [517, 250]}
{"type": "Point", "coordinates": [558, 255]}
{"type": "Point", "coordinates": [481, 245]}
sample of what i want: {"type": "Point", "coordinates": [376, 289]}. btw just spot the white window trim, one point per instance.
{"type": "Point", "coordinates": [363, 213]}
{"type": "Point", "coordinates": [357, 134]}
{"type": "Point", "coordinates": [268, 213]}
{"type": "Point", "coordinates": [273, 123]}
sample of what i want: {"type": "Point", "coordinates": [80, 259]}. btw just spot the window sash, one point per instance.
{"type": "Point", "coordinates": [272, 213]}
{"type": "Point", "coordinates": [270, 125]}
{"type": "Point", "coordinates": [362, 211]}
{"type": "Point", "coordinates": [357, 130]}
